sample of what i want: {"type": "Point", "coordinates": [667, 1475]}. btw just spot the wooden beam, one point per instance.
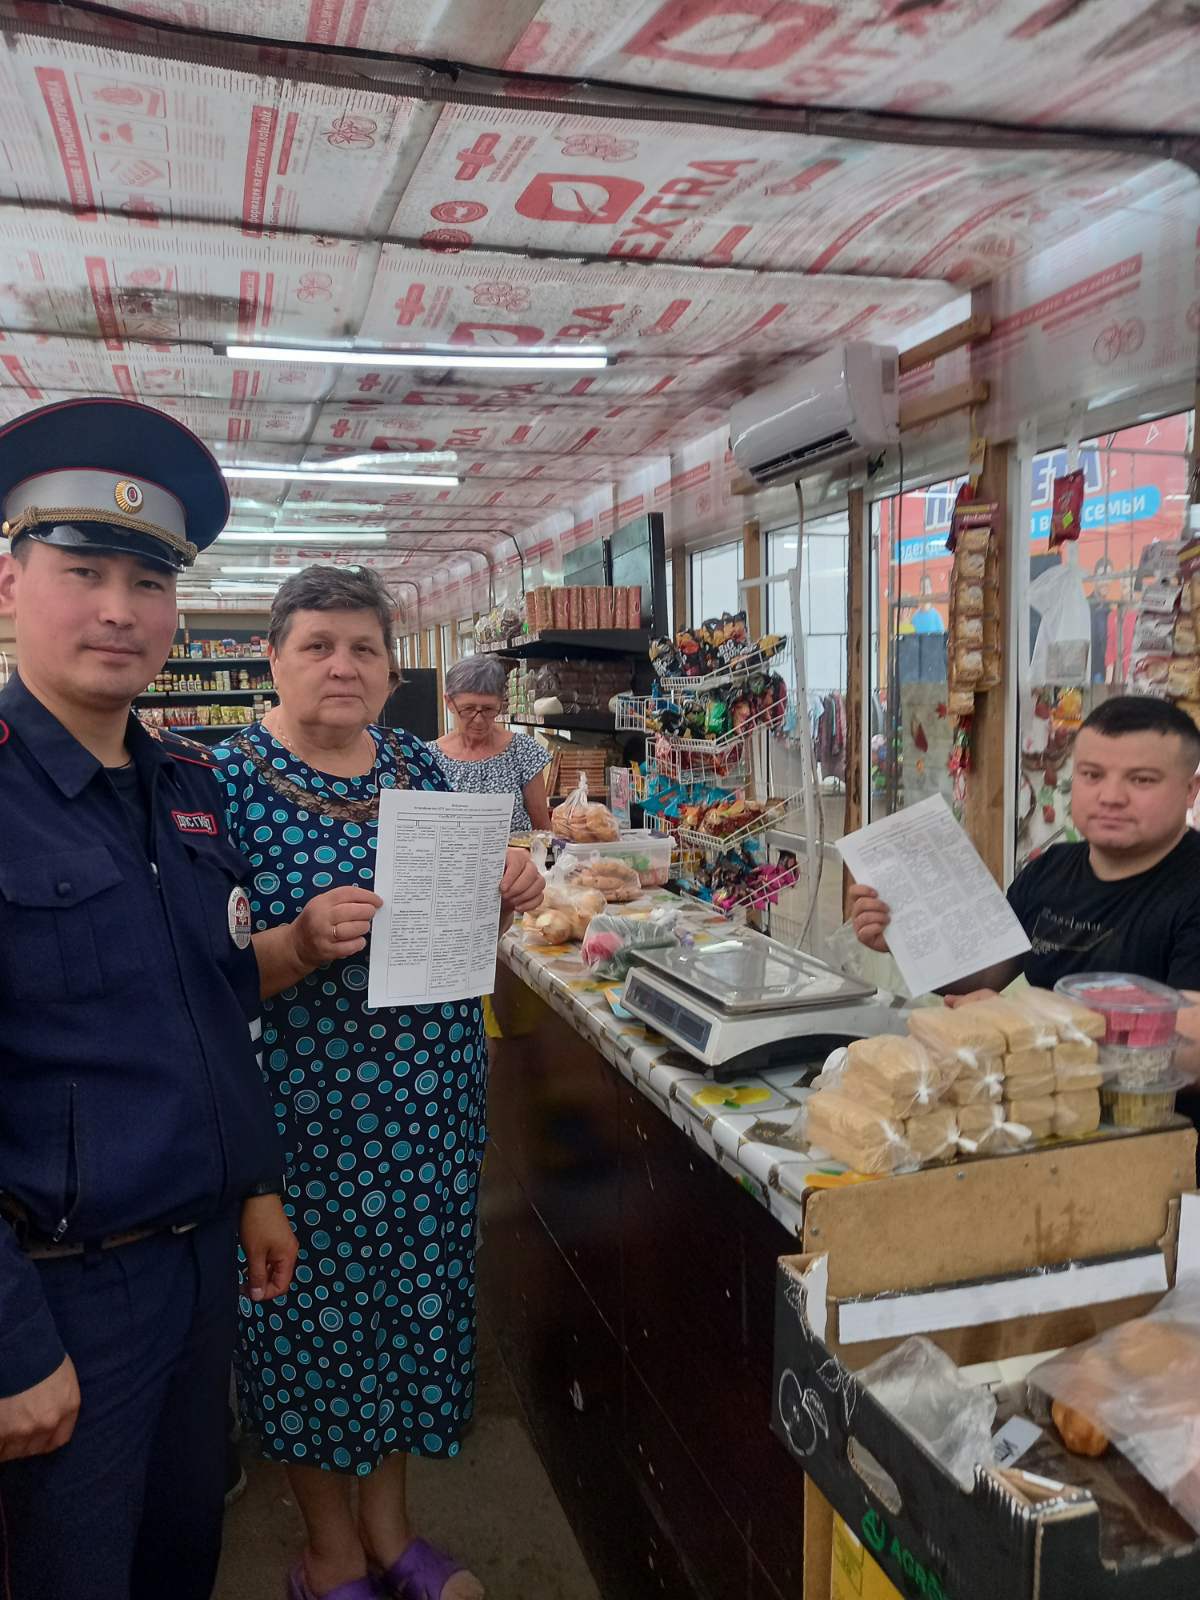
{"type": "Point", "coordinates": [913, 413]}
{"type": "Point", "coordinates": [681, 587]}
{"type": "Point", "coordinates": [972, 331]}
{"type": "Point", "coordinates": [983, 814]}
{"type": "Point", "coordinates": [857, 687]}
{"type": "Point", "coordinates": [752, 567]}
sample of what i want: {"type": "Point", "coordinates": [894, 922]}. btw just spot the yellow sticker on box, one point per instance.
{"type": "Point", "coordinates": [854, 1573]}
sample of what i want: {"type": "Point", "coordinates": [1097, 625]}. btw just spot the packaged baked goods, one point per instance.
{"type": "Point", "coordinates": [969, 631]}
{"type": "Point", "coordinates": [1077, 1066]}
{"type": "Point", "coordinates": [962, 1035]}
{"type": "Point", "coordinates": [1028, 1063]}
{"type": "Point", "coordinates": [620, 607]}
{"type": "Point", "coordinates": [1137, 1384]}
{"type": "Point", "coordinates": [932, 1136]}
{"type": "Point", "coordinates": [1134, 1066]}
{"type": "Point", "coordinates": [966, 665]}
{"type": "Point", "coordinates": [1034, 1111]}
{"type": "Point", "coordinates": [1021, 1027]}
{"type": "Point", "coordinates": [591, 607]}
{"type": "Point", "coordinates": [986, 1130]}
{"type": "Point", "coordinates": [616, 880]}
{"type": "Point", "coordinates": [1072, 1020]}
{"type": "Point", "coordinates": [977, 1086]}
{"type": "Point", "coordinates": [606, 607]}
{"type": "Point", "coordinates": [969, 599]}
{"type": "Point", "coordinates": [896, 1076]}
{"type": "Point", "coordinates": [633, 606]}
{"type": "Point", "coordinates": [961, 702]}
{"type": "Point", "coordinates": [580, 821]}
{"type": "Point", "coordinates": [1136, 1011]}
{"type": "Point", "coordinates": [1028, 1084]}
{"type": "Point", "coordinates": [854, 1134]}
{"type": "Point", "coordinates": [1076, 1114]}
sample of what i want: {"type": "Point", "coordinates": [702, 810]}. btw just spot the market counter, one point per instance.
{"type": "Point", "coordinates": [634, 1213]}
{"type": "Point", "coordinates": [631, 1283]}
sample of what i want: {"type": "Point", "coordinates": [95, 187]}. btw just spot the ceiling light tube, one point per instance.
{"type": "Point", "coordinates": [278, 536]}
{"type": "Point", "coordinates": [270, 572]}
{"type": "Point", "coordinates": [432, 480]}
{"type": "Point", "coordinates": [581, 358]}
{"type": "Point", "coordinates": [393, 458]}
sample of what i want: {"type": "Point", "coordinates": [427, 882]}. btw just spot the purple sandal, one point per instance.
{"type": "Point", "coordinates": [359, 1589]}
{"type": "Point", "coordinates": [423, 1572]}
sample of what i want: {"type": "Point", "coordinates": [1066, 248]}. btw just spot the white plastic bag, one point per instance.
{"type": "Point", "coordinates": [1062, 652]}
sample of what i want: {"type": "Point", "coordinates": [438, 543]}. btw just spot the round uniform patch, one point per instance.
{"type": "Point", "coordinates": [239, 918]}
{"type": "Point", "coordinates": [128, 496]}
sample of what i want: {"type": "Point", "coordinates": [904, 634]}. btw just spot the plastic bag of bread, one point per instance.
{"type": "Point", "coordinates": [960, 1035]}
{"type": "Point", "coordinates": [1022, 1028]}
{"type": "Point", "coordinates": [1077, 1067]}
{"type": "Point", "coordinates": [1138, 1385]}
{"type": "Point", "coordinates": [985, 1130]}
{"type": "Point", "coordinates": [1076, 1114]}
{"type": "Point", "coordinates": [854, 1134]}
{"type": "Point", "coordinates": [896, 1076]}
{"type": "Point", "coordinates": [567, 906]}
{"type": "Point", "coordinates": [1074, 1023]}
{"type": "Point", "coordinates": [932, 1136]}
{"type": "Point", "coordinates": [1029, 1073]}
{"type": "Point", "coordinates": [581, 821]}
{"type": "Point", "coordinates": [616, 880]}
{"type": "Point", "coordinates": [977, 1086]}
{"type": "Point", "coordinates": [1035, 1112]}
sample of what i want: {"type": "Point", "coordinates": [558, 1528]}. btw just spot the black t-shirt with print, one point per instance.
{"type": "Point", "coordinates": [1076, 922]}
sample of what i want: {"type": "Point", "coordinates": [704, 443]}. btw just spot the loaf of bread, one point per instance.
{"type": "Point", "coordinates": [1028, 1063]}
{"type": "Point", "coordinates": [972, 1087]}
{"type": "Point", "coordinates": [932, 1136]}
{"type": "Point", "coordinates": [854, 1134]}
{"type": "Point", "coordinates": [1076, 1053]}
{"type": "Point", "coordinates": [960, 1035]}
{"type": "Point", "coordinates": [1021, 1027]}
{"type": "Point", "coordinates": [985, 1129]}
{"type": "Point", "coordinates": [1077, 1113]}
{"type": "Point", "coordinates": [1081, 1437]}
{"type": "Point", "coordinates": [1027, 1084]}
{"type": "Point", "coordinates": [1070, 1020]}
{"type": "Point", "coordinates": [893, 1075]}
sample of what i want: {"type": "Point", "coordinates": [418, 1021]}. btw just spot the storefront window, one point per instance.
{"type": "Point", "coordinates": [466, 638]}
{"type": "Point", "coordinates": [1135, 496]}
{"type": "Point", "coordinates": [716, 574]}
{"type": "Point", "coordinates": [910, 733]}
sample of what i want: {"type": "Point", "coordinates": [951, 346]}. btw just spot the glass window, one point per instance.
{"type": "Point", "coordinates": [447, 647]}
{"type": "Point", "coordinates": [466, 638]}
{"type": "Point", "coordinates": [910, 734]}
{"type": "Point", "coordinates": [671, 594]}
{"type": "Point", "coordinates": [716, 574]}
{"type": "Point", "coordinates": [1135, 498]}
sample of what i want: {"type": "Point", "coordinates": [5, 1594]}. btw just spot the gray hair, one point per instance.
{"type": "Point", "coordinates": [476, 675]}
{"type": "Point", "coordinates": [325, 588]}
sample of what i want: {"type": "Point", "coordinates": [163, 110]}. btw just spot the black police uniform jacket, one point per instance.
{"type": "Point", "coordinates": [131, 1092]}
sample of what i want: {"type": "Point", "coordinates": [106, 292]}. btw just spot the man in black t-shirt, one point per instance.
{"type": "Point", "coordinates": [1127, 900]}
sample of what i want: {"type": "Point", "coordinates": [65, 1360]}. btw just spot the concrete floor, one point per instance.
{"type": "Point", "coordinates": [493, 1507]}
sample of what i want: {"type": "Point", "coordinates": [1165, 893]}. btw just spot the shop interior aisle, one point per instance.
{"type": "Point", "coordinates": [494, 1507]}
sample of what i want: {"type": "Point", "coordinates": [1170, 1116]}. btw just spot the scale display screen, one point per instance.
{"type": "Point", "coordinates": [685, 1024]}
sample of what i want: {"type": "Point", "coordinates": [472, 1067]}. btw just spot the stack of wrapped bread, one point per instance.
{"type": "Point", "coordinates": [985, 1078]}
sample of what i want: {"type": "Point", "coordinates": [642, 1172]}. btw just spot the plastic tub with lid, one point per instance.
{"type": "Point", "coordinates": [648, 853]}
{"type": "Point", "coordinates": [1150, 1106]}
{"type": "Point", "coordinates": [1136, 1011]}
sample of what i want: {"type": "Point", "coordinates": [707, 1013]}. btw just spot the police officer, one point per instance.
{"type": "Point", "coordinates": [136, 1132]}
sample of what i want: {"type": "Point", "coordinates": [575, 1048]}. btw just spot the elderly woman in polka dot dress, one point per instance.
{"type": "Point", "coordinates": [371, 1357]}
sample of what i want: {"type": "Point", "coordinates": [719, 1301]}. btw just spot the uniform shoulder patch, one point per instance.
{"type": "Point", "coordinates": [184, 749]}
{"type": "Point", "coordinates": [4, 731]}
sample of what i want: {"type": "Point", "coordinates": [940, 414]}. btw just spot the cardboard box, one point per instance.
{"type": "Point", "coordinates": [855, 1574]}
{"type": "Point", "coordinates": [941, 1252]}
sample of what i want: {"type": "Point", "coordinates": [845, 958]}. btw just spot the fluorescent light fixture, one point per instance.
{"type": "Point", "coordinates": [433, 480]}
{"type": "Point", "coordinates": [270, 572]}
{"type": "Point", "coordinates": [309, 536]}
{"type": "Point", "coordinates": [245, 588]}
{"type": "Point", "coordinates": [574, 358]}
{"type": "Point", "coordinates": [393, 458]}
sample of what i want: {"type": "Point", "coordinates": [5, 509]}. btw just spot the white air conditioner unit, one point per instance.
{"type": "Point", "coordinates": [842, 405]}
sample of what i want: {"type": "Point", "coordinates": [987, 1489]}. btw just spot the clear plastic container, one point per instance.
{"type": "Point", "coordinates": [1148, 1107]}
{"type": "Point", "coordinates": [1134, 1066]}
{"type": "Point", "coordinates": [1136, 1011]}
{"type": "Point", "coordinates": [648, 853]}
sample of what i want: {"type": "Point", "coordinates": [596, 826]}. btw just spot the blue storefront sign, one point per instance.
{"type": "Point", "coordinates": [1099, 510]}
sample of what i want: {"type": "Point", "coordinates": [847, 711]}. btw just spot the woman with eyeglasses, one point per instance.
{"type": "Point", "coordinates": [481, 756]}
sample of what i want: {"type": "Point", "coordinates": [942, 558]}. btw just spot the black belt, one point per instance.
{"type": "Point", "coordinates": [39, 1246]}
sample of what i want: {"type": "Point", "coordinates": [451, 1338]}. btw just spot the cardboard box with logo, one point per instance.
{"type": "Point", "coordinates": [997, 1262]}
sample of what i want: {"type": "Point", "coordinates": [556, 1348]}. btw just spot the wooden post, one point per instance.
{"type": "Point", "coordinates": [984, 812]}
{"type": "Point", "coordinates": [681, 589]}
{"type": "Point", "coordinates": [857, 685]}
{"type": "Point", "coordinates": [752, 567]}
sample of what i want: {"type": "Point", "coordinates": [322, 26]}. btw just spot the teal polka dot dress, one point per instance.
{"type": "Point", "coordinates": [382, 1114]}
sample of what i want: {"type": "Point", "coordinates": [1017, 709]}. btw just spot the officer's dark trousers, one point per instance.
{"type": "Point", "coordinates": [131, 1508]}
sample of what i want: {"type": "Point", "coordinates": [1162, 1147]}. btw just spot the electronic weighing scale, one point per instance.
{"type": "Point", "coordinates": [745, 1002]}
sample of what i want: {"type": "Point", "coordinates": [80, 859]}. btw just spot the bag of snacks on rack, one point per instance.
{"type": "Point", "coordinates": [610, 941]}
{"type": "Point", "coordinates": [1137, 1386]}
{"type": "Point", "coordinates": [580, 821]}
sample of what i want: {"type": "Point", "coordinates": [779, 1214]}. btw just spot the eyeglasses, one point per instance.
{"type": "Point", "coordinates": [475, 713]}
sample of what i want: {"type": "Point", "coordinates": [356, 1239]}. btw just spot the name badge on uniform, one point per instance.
{"type": "Point", "coordinates": [196, 822]}
{"type": "Point", "coordinates": [239, 918]}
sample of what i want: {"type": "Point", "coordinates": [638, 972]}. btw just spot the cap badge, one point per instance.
{"type": "Point", "coordinates": [128, 496]}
